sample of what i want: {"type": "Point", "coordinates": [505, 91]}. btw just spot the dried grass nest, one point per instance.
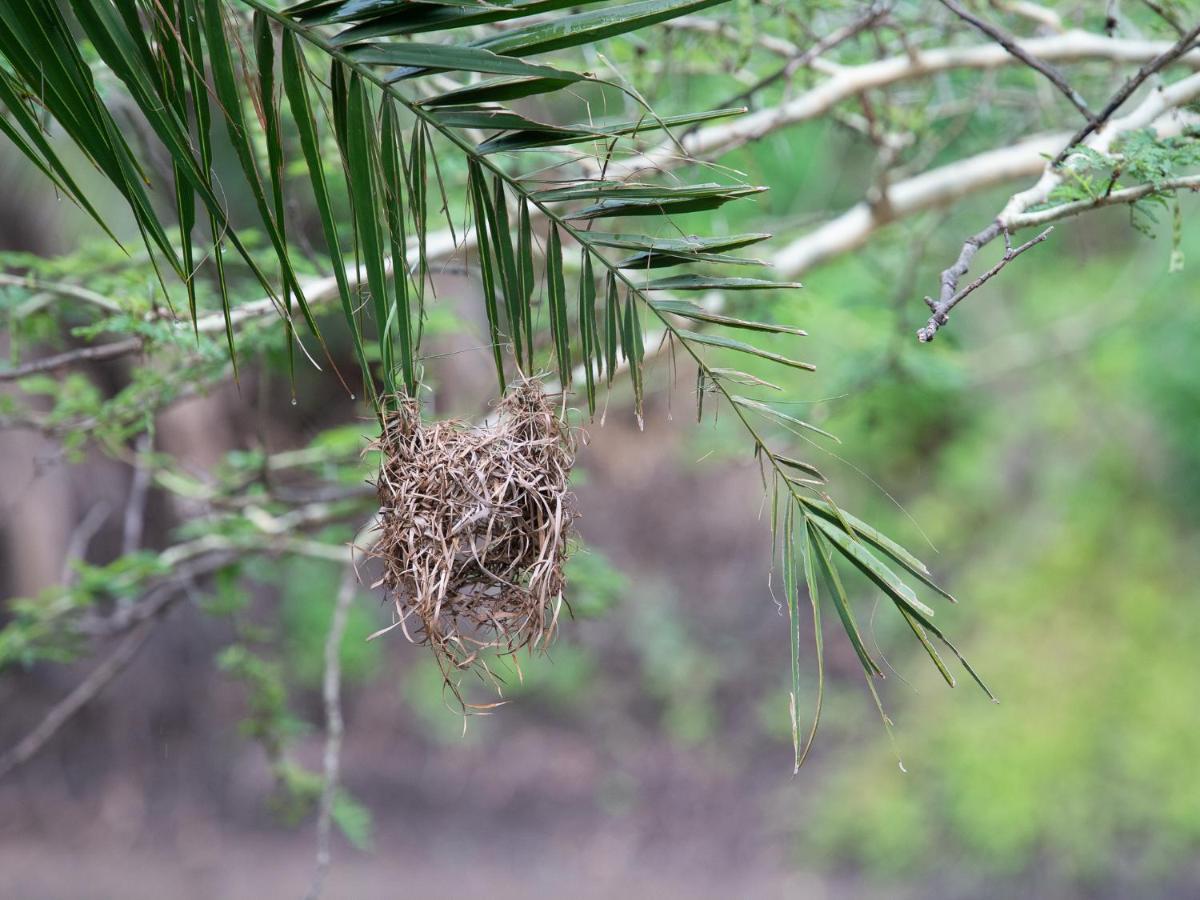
{"type": "Point", "coordinates": [473, 527]}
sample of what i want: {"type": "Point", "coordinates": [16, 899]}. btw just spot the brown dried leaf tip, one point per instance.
{"type": "Point", "coordinates": [474, 522]}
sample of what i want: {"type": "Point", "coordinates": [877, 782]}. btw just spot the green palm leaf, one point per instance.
{"type": "Point", "coordinates": [392, 125]}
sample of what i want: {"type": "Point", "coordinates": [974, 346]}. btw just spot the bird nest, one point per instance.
{"type": "Point", "coordinates": [473, 528]}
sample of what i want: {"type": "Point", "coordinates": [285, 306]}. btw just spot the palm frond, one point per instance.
{"type": "Point", "coordinates": [394, 109]}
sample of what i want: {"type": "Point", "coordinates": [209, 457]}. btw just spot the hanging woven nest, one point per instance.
{"type": "Point", "coordinates": [473, 530]}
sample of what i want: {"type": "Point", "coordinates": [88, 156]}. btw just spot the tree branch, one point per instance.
{"type": "Point", "coordinates": [61, 288]}
{"type": "Point", "coordinates": [334, 728]}
{"type": "Point", "coordinates": [950, 278]}
{"type": "Point", "coordinates": [70, 358]}
{"type": "Point", "coordinates": [1122, 197]}
{"type": "Point", "coordinates": [799, 60]}
{"type": "Point", "coordinates": [185, 562]}
{"type": "Point", "coordinates": [1160, 62]}
{"type": "Point", "coordinates": [63, 711]}
{"type": "Point", "coordinates": [1159, 111]}
{"type": "Point", "coordinates": [1009, 43]}
{"type": "Point", "coordinates": [135, 506]}
{"type": "Point", "coordinates": [930, 190]}
{"type": "Point", "coordinates": [849, 81]}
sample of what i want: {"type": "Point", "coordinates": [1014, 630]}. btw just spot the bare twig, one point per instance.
{"type": "Point", "coordinates": [1009, 43]}
{"type": "Point", "coordinates": [876, 12]}
{"type": "Point", "coordinates": [1164, 59]}
{"type": "Point", "coordinates": [1166, 15]}
{"type": "Point", "coordinates": [61, 288]}
{"type": "Point", "coordinates": [334, 728]}
{"type": "Point", "coordinates": [84, 692]}
{"type": "Point", "coordinates": [95, 353]}
{"type": "Point", "coordinates": [1160, 111]}
{"type": "Point", "coordinates": [952, 297]}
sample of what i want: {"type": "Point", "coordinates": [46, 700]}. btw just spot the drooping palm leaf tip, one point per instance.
{"type": "Point", "coordinates": [397, 88]}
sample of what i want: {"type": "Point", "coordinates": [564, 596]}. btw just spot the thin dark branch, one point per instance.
{"type": "Point", "coordinates": [84, 692]}
{"type": "Point", "coordinates": [1009, 43]}
{"type": "Point", "coordinates": [73, 357]}
{"type": "Point", "coordinates": [139, 620]}
{"type": "Point", "coordinates": [827, 43]}
{"type": "Point", "coordinates": [1164, 59]}
{"type": "Point", "coordinates": [950, 296]}
{"type": "Point", "coordinates": [156, 600]}
{"type": "Point", "coordinates": [334, 728]}
{"type": "Point", "coordinates": [1165, 14]}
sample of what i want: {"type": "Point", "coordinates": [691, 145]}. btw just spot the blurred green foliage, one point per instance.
{"type": "Point", "coordinates": [1049, 448]}
{"type": "Point", "coordinates": [307, 588]}
{"type": "Point", "coordinates": [1049, 443]}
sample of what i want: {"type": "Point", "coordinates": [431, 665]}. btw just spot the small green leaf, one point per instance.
{"type": "Point", "coordinates": [589, 27]}
{"type": "Point", "coordinates": [782, 417]}
{"type": "Point", "coordinates": [525, 278]}
{"type": "Point", "coordinates": [362, 163]}
{"type": "Point", "coordinates": [587, 325]}
{"type": "Point", "coordinates": [484, 222]}
{"type": "Point", "coordinates": [716, 340]}
{"type": "Point", "coordinates": [557, 292]}
{"type": "Point", "coordinates": [716, 283]}
{"type": "Point", "coordinates": [841, 602]}
{"type": "Point", "coordinates": [869, 565]}
{"type": "Point", "coordinates": [423, 59]}
{"type": "Point", "coordinates": [689, 310]}
{"type": "Point", "coordinates": [499, 89]}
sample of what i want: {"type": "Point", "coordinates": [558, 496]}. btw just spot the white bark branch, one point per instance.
{"type": "Point", "coordinates": [1160, 111]}
{"type": "Point", "coordinates": [849, 81]}
{"type": "Point", "coordinates": [930, 190]}
{"type": "Point", "coordinates": [844, 83]}
{"type": "Point", "coordinates": [849, 231]}
{"type": "Point", "coordinates": [1122, 197]}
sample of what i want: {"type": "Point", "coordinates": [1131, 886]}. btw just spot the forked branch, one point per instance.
{"type": "Point", "coordinates": [1009, 43]}
{"type": "Point", "coordinates": [1153, 67]}
{"type": "Point", "coordinates": [951, 296]}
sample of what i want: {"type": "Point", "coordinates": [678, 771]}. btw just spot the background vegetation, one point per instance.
{"type": "Point", "coordinates": [1045, 443]}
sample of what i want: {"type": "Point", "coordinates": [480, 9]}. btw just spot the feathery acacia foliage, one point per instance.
{"type": "Point", "coordinates": [398, 89]}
